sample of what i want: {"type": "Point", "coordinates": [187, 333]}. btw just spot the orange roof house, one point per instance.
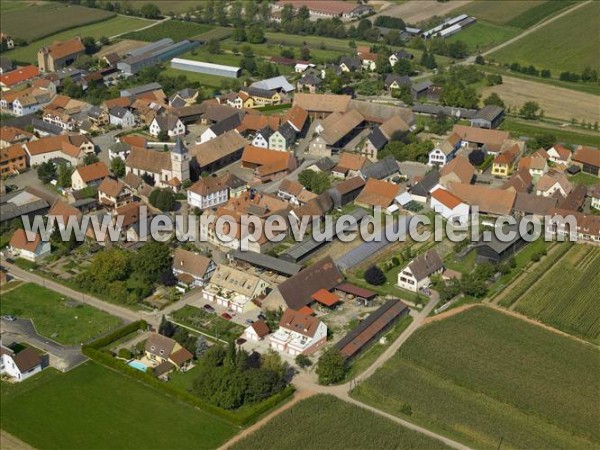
{"type": "Point", "coordinates": [378, 193]}
{"type": "Point", "coordinates": [325, 297]}
{"type": "Point", "coordinates": [267, 164]}
{"type": "Point", "coordinates": [18, 76]}
{"type": "Point", "coordinates": [60, 54]}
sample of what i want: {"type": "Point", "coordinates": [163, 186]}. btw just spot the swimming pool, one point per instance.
{"type": "Point", "coordinates": [137, 365]}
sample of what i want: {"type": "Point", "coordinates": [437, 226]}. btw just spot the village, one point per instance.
{"type": "Point", "coordinates": [309, 140]}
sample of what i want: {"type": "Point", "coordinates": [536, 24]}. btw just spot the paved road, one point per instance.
{"type": "Point", "coordinates": [62, 357]}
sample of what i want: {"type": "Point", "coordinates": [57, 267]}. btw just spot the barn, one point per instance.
{"type": "Point", "coordinates": [206, 68]}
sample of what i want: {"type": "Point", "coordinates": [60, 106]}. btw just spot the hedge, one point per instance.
{"type": "Point", "coordinates": [243, 416]}
{"type": "Point", "coordinates": [111, 337]}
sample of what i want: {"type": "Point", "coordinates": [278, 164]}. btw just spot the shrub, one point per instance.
{"type": "Point", "coordinates": [125, 353]}
{"type": "Point", "coordinates": [375, 276]}
{"type": "Point", "coordinates": [303, 361]}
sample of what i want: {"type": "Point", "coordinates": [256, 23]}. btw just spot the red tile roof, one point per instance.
{"type": "Point", "coordinates": [19, 75]}
{"type": "Point", "coordinates": [446, 198]}
{"type": "Point", "coordinates": [19, 240]}
{"type": "Point", "coordinates": [93, 172]}
{"type": "Point", "coordinates": [325, 297]}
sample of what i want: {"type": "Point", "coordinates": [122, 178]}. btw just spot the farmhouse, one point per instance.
{"type": "Point", "coordinates": [192, 269]}
{"type": "Point", "coordinates": [559, 154]}
{"type": "Point", "coordinates": [12, 135]}
{"type": "Point", "coordinates": [218, 152]}
{"type": "Point", "coordinates": [385, 169]}
{"type": "Point", "coordinates": [497, 250]}
{"type": "Point", "coordinates": [574, 225]}
{"type": "Point", "coordinates": [72, 148]}
{"type": "Point", "coordinates": [349, 165]}
{"type": "Point", "coordinates": [489, 200]}
{"type": "Point", "coordinates": [506, 162]}
{"type": "Point", "coordinates": [459, 170]}
{"type": "Point", "coordinates": [552, 183]}
{"type": "Point", "coordinates": [298, 334]}
{"type": "Point", "coordinates": [376, 324]}
{"type": "Point", "coordinates": [18, 76]}
{"type": "Point", "coordinates": [60, 54]}
{"type": "Point", "coordinates": [445, 151]}
{"type": "Point", "coordinates": [378, 193]}
{"type": "Point", "coordinates": [490, 116]}
{"type": "Point", "coordinates": [416, 275]}
{"type": "Point", "coordinates": [113, 193]}
{"type": "Point", "coordinates": [319, 106]}
{"type": "Point", "coordinates": [33, 250]}
{"type": "Point", "coordinates": [169, 124]}
{"type": "Point", "coordinates": [234, 289]}
{"type": "Point", "coordinates": [294, 192]}
{"type": "Point", "coordinates": [215, 190]}
{"type": "Point", "coordinates": [450, 207]}
{"type": "Point", "coordinates": [119, 116]}
{"type": "Point", "coordinates": [90, 175]}
{"type": "Point", "coordinates": [489, 140]}
{"type": "Point", "coordinates": [268, 164]}
{"type": "Point", "coordinates": [13, 160]}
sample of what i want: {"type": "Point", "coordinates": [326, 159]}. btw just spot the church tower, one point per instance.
{"type": "Point", "coordinates": [180, 161]}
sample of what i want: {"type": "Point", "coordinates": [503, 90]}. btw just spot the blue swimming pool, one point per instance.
{"type": "Point", "coordinates": [138, 365]}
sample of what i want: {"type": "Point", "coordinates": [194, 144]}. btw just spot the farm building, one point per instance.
{"type": "Point", "coordinates": [497, 250]}
{"type": "Point", "coordinates": [133, 64]}
{"type": "Point", "coordinates": [371, 328]}
{"type": "Point", "coordinates": [207, 68]}
{"type": "Point", "coordinates": [490, 116]}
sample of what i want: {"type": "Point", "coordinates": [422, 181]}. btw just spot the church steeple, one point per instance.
{"type": "Point", "coordinates": [180, 148]}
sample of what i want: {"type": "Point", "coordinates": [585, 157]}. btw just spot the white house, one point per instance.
{"type": "Point", "coordinates": [113, 193]}
{"type": "Point", "coordinates": [28, 104]}
{"type": "Point", "coordinates": [192, 269]}
{"type": "Point", "coordinates": [21, 365]}
{"type": "Point", "coordinates": [553, 182]}
{"type": "Point", "coordinates": [298, 334]}
{"type": "Point", "coordinates": [397, 56]}
{"type": "Point", "coordinates": [234, 289]}
{"type": "Point", "coordinates": [89, 176]}
{"type": "Point", "coordinates": [214, 190]}
{"type": "Point", "coordinates": [594, 194]}
{"type": "Point", "coordinates": [121, 116]}
{"type": "Point", "coordinates": [261, 138]}
{"type": "Point", "coordinates": [283, 138]}
{"type": "Point", "coordinates": [560, 155]}
{"type": "Point", "coordinates": [33, 250]}
{"type": "Point", "coordinates": [450, 207]}
{"type": "Point", "coordinates": [445, 151]}
{"type": "Point", "coordinates": [207, 135]}
{"type": "Point", "coordinates": [171, 124]}
{"type": "Point", "coordinates": [416, 275]}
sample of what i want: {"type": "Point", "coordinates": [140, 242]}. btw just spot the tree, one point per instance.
{"type": "Point", "coordinates": [375, 276]}
{"type": "Point", "coordinates": [239, 35]}
{"type": "Point", "coordinates": [90, 158]}
{"type": "Point", "coordinates": [150, 11]}
{"type": "Point", "coordinates": [403, 67]}
{"type": "Point", "coordinates": [166, 328]}
{"type": "Point", "coordinates": [117, 166]}
{"type": "Point", "coordinates": [46, 172]}
{"type": "Point", "coordinates": [529, 110]}
{"type": "Point", "coordinates": [163, 136]}
{"type": "Point", "coordinates": [303, 13]}
{"type": "Point", "coordinates": [457, 50]}
{"type": "Point", "coordinates": [152, 260]}
{"type": "Point", "coordinates": [63, 175]}
{"type": "Point", "coordinates": [110, 265]}
{"type": "Point", "coordinates": [303, 361]}
{"type": "Point", "coordinates": [163, 199]}
{"type": "Point", "coordinates": [213, 47]}
{"type": "Point", "coordinates": [317, 182]}
{"type": "Point", "coordinates": [331, 367]}
{"type": "Point", "coordinates": [305, 53]}
{"type": "Point", "coordinates": [90, 45]}
{"type": "Point", "coordinates": [477, 157]}
{"type": "Point", "coordinates": [256, 34]}
{"type": "Point", "coordinates": [493, 99]}
{"type": "Point", "coordinates": [479, 60]}
{"type": "Point", "coordinates": [287, 52]}
{"type": "Point", "coordinates": [104, 40]}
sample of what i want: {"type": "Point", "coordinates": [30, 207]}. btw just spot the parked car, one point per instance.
{"type": "Point", "coordinates": [249, 321]}
{"type": "Point", "coordinates": [226, 316]}
{"type": "Point", "coordinates": [9, 318]}
{"type": "Point", "coordinates": [208, 308]}
{"type": "Point", "coordinates": [240, 341]}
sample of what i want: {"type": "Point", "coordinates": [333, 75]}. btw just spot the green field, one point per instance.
{"type": "Point", "coordinates": [517, 13]}
{"type": "Point", "coordinates": [207, 81]}
{"type": "Point", "coordinates": [174, 29]}
{"type": "Point", "coordinates": [483, 377]}
{"type": "Point", "coordinates": [324, 422]}
{"type": "Point", "coordinates": [31, 20]}
{"type": "Point", "coordinates": [566, 297]}
{"type": "Point", "coordinates": [518, 127]}
{"type": "Point", "coordinates": [108, 28]}
{"type": "Point", "coordinates": [557, 47]}
{"type": "Point", "coordinates": [200, 54]}
{"type": "Point", "coordinates": [208, 323]}
{"type": "Point", "coordinates": [169, 6]}
{"type": "Point", "coordinates": [92, 407]}
{"type": "Point", "coordinates": [584, 178]}
{"type": "Point", "coordinates": [65, 321]}
{"type": "Point", "coordinates": [484, 35]}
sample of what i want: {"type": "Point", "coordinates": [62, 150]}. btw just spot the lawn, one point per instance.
{"type": "Point", "coordinates": [566, 297]}
{"type": "Point", "coordinates": [108, 28]}
{"type": "Point", "coordinates": [93, 407]}
{"type": "Point", "coordinates": [170, 6]}
{"type": "Point", "coordinates": [585, 178]}
{"type": "Point", "coordinates": [65, 321]}
{"type": "Point", "coordinates": [556, 46]}
{"type": "Point", "coordinates": [228, 59]}
{"type": "Point", "coordinates": [324, 422]}
{"type": "Point", "coordinates": [482, 36]}
{"type": "Point", "coordinates": [208, 323]}
{"type": "Point", "coordinates": [207, 81]}
{"type": "Point", "coordinates": [174, 29]}
{"type": "Point", "coordinates": [518, 128]}
{"type": "Point", "coordinates": [485, 378]}
{"type": "Point", "coordinates": [31, 20]}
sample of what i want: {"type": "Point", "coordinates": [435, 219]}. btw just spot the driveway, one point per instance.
{"type": "Point", "coordinates": [62, 357]}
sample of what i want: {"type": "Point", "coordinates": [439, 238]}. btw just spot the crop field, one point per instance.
{"type": "Point", "coordinates": [484, 377]}
{"type": "Point", "coordinates": [31, 20]}
{"type": "Point", "coordinates": [484, 35]}
{"type": "Point", "coordinates": [108, 28]}
{"type": "Point", "coordinates": [516, 13]}
{"type": "Point", "coordinates": [64, 320]}
{"type": "Point", "coordinates": [557, 102]}
{"type": "Point", "coordinates": [566, 297]}
{"type": "Point", "coordinates": [556, 46]}
{"type": "Point", "coordinates": [99, 409]}
{"type": "Point", "coordinates": [174, 29]}
{"type": "Point", "coordinates": [322, 421]}
{"type": "Point", "coordinates": [422, 10]}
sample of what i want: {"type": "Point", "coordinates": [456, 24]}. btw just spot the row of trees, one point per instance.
{"type": "Point", "coordinates": [229, 377]}
{"type": "Point", "coordinates": [588, 75]}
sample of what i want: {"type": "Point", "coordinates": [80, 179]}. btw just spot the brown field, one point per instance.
{"type": "Point", "coordinates": [413, 12]}
{"type": "Point", "coordinates": [557, 102]}
{"type": "Point", "coordinates": [121, 47]}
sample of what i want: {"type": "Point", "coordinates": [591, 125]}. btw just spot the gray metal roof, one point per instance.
{"type": "Point", "coordinates": [140, 89]}
{"type": "Point", "coordinates": [179, 147]}
{"type": "Point", "coordinates": [275, 83]}
{"type": "Point", "coordinates": [268, 262]}
{"type": "Point", "coordinates": [489, 113]}
{"type": "Point", "coordinates": [377, 139]}
{"type": "Point", "coordinates": [449, 111]}
{"type": "Point", "coordinates": [423, 187]}
{"type": "Point", "coordinates": [381, 169]}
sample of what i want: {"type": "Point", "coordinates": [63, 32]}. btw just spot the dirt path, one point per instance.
{"type": "Point", "coordinates": [248, 431]}
{"type": "Point", "coordinates": [449, 313]}
{"type": "Point", "coordinates": [10, 442]}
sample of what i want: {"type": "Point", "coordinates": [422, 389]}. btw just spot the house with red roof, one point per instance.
{"type": "Point", "coordinates": [60, 54]}
{"type": "Point", "coordinates": [450, 207]}
{"type": "Point", "coordinates": [298, 334]}
{"type": "Point", "coordinates": [30, 249]}
{"type": "Point", "coordinates": [18, 76]}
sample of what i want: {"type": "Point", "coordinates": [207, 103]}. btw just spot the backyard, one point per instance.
{"type": "Point", "coordinates": [207, 323]}
{"type": "Point", "coordinates": [64, 320]}
{"type": "Point", "coordinates": [100, 408]}
{"type": "Point", "coordinates": [485, 378]}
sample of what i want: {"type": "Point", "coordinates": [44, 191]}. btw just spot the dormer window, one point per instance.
{"type": "Point", "coordinates": [162, 352]}
{"type": "Point", "coordinates": [153, 348]}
